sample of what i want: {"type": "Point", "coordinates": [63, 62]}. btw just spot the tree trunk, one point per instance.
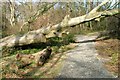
{"type": "Point", "coordinates": [42, 34]}
{"type": "Point", "coordinates": [23, 60]}
{"type": "Point", "coordinates": [12, 14]}
{"type": "Point", "coordinates": [39, 12]}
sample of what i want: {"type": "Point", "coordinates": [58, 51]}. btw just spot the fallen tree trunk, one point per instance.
{"type": "Point", "coordinates": [39, 58]}
{"type": "Point", "coordinates": [42, 34]}
{"type": "Point", "coordinates": [22, 60]}
{"type": "Point", "coordinates": [18, 40]}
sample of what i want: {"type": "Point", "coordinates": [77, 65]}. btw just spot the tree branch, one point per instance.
{"type": "Point", "coordinates": [41, 11]}
{"type": "Point", "coordinates": [98, 7]}
{"type": "Point", "coordinates": [40, 35]}
{"type": "Point", "coordinates": [37, 36]}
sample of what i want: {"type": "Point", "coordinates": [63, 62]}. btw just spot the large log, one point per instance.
{"type": "Point", "coordinates": [18, 40]}
{"type": "Point", "coordinates": [39, 58]}
{"type": "Point", "coordinates": [19, 60]}
{"type": "Point", "coordinates": [40, 35]}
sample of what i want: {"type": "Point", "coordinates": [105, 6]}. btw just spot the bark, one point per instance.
{"type": "Point", "coordinates": [12, 14]}
{"type": "Point", "coordinates": [41, 58]}
{"type": "Point", "coordinates": [89, 17]}
{"type": "Point", "coordinates": [42, 34]}
{"type": "Point", "coordinates": [22, 60]}
{"type": "Point", "coordinates": [18, 40]}
{"type": "Point", "coordinates": [98, 7]}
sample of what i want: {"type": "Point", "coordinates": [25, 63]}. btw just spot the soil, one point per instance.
{"type": "Point", "coordinates": [109, 49]}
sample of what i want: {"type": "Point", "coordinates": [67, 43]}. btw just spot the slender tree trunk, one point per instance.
{"type": "Point", "coordinates": [12, 14]}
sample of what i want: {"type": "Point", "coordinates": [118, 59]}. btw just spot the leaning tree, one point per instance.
{"type": "Point", "coordinates": [42, 34]}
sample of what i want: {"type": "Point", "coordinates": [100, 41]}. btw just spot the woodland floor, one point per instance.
{"type": "Point", "coordinates": [87, 60]}
{"type": "Point", "coordinates": [84, 61]}
{"type": "Point", "coordinates": [109, 51]}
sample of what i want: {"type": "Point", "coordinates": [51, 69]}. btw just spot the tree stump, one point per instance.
{"type": "Point", "coordinates": [44, 56]}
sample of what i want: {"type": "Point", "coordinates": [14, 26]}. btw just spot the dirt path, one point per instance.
{"type": "Point", "coordinates": [82, 61]}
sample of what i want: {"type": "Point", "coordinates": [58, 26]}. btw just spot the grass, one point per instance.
{"type": "Point", "coordinates": [109, 49]}
{"type": "Point", "coordinates": [51, 67]}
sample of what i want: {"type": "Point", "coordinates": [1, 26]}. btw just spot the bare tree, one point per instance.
{"type": "Point", "coordinates": [12, 10]}
{"type": "Point", "coordinates": [40, 11]}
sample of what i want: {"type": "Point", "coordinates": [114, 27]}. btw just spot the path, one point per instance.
{"type": "Point", "coordinates": [82, 61]}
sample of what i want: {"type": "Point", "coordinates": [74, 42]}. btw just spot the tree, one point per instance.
{"type": "Point", "coordinates": [40, 11]}
{"type": "Point", "coordinates": [12, 12]}
{"type": "Point", "coordinates": [40, 35]}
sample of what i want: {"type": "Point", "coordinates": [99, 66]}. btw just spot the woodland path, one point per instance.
{"type": "Point", "coordinates": [82, 61]}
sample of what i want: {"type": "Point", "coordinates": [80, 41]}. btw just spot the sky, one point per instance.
{"type": "Point", "coordinates": [63, 0]}
{"type": "Point", "coordinates": [17, 1]}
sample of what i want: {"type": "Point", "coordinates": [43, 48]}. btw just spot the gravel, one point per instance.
{"type": "Point", "coordinates": [82, 61]}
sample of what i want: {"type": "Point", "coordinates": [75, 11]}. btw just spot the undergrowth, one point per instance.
{"type": "Point", "coordinates": [55, 43]}
{"type": "Point", "coordinates": [109, 49]}
{"type": "Point", "coordinates": [58, 45]}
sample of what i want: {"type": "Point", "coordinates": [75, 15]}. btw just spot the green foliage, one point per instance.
{"type": "Point", "coordinates": [70, 38]}
{"type": "Point", "coordinates": [114, 58]}
{"type": "Point", "coordinates": [57, 44]}
{"type": "Point", "coordinates": [28, 51]}
{"type": "Point", "coordinates": [55, 49]}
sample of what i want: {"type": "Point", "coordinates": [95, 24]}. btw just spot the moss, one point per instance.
{"type": "Point", "coordinates": [114, 58]}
